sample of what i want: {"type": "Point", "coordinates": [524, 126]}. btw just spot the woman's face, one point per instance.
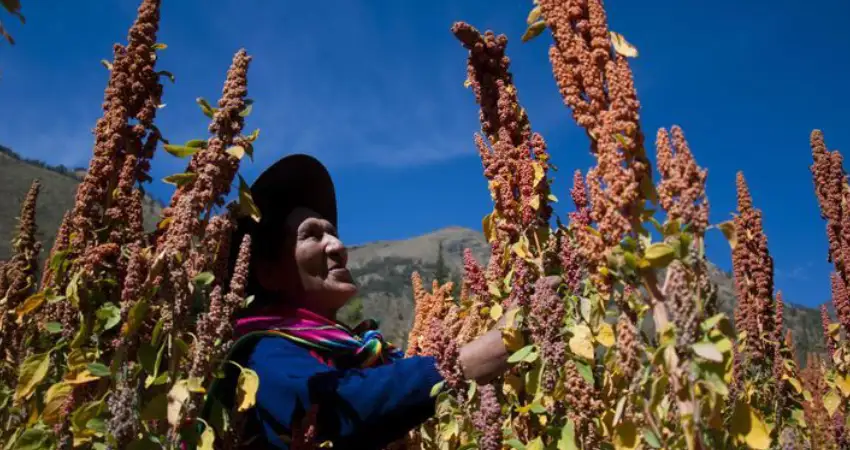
{"type": "Point", "coordinates": [312, 271]}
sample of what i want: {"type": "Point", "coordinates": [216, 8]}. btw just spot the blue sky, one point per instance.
{"type": "Point", "coordinates": [375, 90]}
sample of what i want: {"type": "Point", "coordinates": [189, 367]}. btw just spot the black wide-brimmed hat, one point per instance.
{"type": "Point", "coordinates": [293, 181]}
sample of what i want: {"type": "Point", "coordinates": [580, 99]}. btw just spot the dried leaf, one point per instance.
{"type": "Point", "coordinates": [622, 46]}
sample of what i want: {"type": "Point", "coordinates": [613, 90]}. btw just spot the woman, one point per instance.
{"type": "Point", "coordinates": [364, 394]}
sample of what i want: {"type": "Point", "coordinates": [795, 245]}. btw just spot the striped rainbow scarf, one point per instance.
{"type": "Point", "coordinates": [331, 341]}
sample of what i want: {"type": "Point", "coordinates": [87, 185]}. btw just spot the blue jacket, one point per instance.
{"type": "Point", "coordinates": [357, 408]}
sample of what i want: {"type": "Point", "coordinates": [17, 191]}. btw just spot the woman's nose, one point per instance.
{"type": "Point", "coordinates": [336, 249]}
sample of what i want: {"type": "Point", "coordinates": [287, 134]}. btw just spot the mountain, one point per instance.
{"type": "Point", "coordinates": [382, 269]}
{"type": "Point", "coordinates": [58, 189]}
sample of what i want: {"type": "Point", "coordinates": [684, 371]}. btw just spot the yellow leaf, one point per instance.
{"type": "Point", "coordinates": [512, 338]}
{"type": "Point", "coordinates": [533, 15]}
{"type": "Point", "coordinates": [496, 312]}
{"type": "Point", "coordinates": [748, 427]}
{"type": "Point", "coordinates": [54, 399]}
{"type": "Point", "coordinates": [794, 382]}
{"type": "Point", "coordinates": [513, 385]}
{"type": "Point", "coordinates": [538, 172]}
{"type": "Point", "coordinates": [534, 202]}
{"type": "Point", "coordinates": [581, 346]}
{"type": "Point", "coordinates": [486, 225]}
{"type": "Point", "coordinates": [843, 384]}
{"type": "Point", "coordinates": [536, 444]}
{"type": "Point", "coordinates": [207, 439]}
{"type": "Point", "coordinates": [626, 436]}
{"type": "Point", "coordinates": [831, 401]}
{"type": "Point", "coordinates": [246, 201]}
{"type": "Point", "coordinates": [237, 151]}
{"type": "Point", "coordinates": [246, 390]}
{"type": "Point", "coordinates": [521, 248]}
{"type": "Point", "coordinates": [176, 399]}
{"type": "Point", "coordinates": [728, 229]}
{"type": "Point", "coordinates": [80, 378]}
{"type": "Point", "coordinates": [31, 373]}
{"type": "Point", "coordinates": [622, 46]}
{"type": "Point", "coordinates": [605, 334]}
{"type": "Point", "coordinates": [30, 304]}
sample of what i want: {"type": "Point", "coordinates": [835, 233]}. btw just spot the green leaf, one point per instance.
{"type": "Point", "coordinates": [207, 109]}
{"type": "Point", "coordinates": [53, 327]}
{"type": "Point", "coordinates": [196, 143]}
{"type": "Point", "coordinates": [831, 401]}
{"type": "Point", "coordinates": [521, 354]}
{"type": "Point", "coordinates": [181, 151]}
{"type": "Point", "coordinates": [437, 388]}
{"type": "Point", "coordinates": [534, 30]}
{"type": "Point", "coordinates": [567, 440]}
{"type": "Point", "coordinates": [32, 439]}
{"type": "Point", "coordinates": [659, 255]}
{"type": "Point", "coordinates": [109, 315]}
{"type": "Point", "coordinates": [204, 279]}
{"type": "Point", "coordinates": [98, 369]}
{"type": "Point", "coordinates": [585, 371]}
{"type": "Point", "coordinates": [246, 201]}
{"type": "Point", "coordinates": [136, 317]}
{"type": "Point", "coordinates": [97, 425]}
{"type": "Point", "coordinates": [651, 439]}
{"type": "Point", "coordinates": [156, 408]}
{"type": "Point", "coordinates": [253, 136]}
{"type": "Point", "coordinates": [31, 373]}
{"type": "Point", "coordinates": [708, 351]}
{"type": "Point", "coordinates": [247, 111]}
{"type": "Point", "coordinates": [167, 74]}
{"type": "Point", "coordinates": [179, 179]}
{"type": "Point", "coordinates": [514, 443]}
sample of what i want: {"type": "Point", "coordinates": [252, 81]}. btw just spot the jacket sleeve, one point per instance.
{"type": "Point", "coordinates": [357, 408]}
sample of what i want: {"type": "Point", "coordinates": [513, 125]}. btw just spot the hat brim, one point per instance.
{"type": "Point", "coordinates": [297, 180]}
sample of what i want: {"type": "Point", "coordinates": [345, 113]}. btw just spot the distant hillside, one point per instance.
{"type": "Point", "coordinates": [59, 185]}
{"type": "Point", "coordinates": [382, 269]}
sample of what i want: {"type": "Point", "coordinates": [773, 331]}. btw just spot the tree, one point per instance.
{"type": "Point", "coordinates": [441, 272]}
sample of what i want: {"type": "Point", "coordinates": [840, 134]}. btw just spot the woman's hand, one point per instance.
{"type": "Point", "coordinates": [485, 358]}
